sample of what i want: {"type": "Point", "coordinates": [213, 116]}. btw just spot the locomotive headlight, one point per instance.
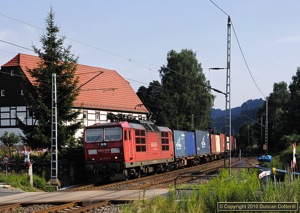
{"type": "Point", "coordinates": [116, 158]}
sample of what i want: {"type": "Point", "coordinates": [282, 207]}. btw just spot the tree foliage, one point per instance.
{"type": "Point", "coordinates": [278, 102]}
{"type": "Point", "coordinates": [55, 58]}
{"type": "Point", "coordinates": [294, 105]}
{"type": "Point", "coordinates": [283, 116]}
{"type": "Point", "coordinates": [10, 139]}
{"type": "Point", "coordinates": [150, 97]}
{"type": "Point", "coordinates": [182, 100]}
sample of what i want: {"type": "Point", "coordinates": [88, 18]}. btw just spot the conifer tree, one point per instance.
{"type": "Point", "coordinates": [55, 58]}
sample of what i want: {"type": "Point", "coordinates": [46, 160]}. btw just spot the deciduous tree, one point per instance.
{"type": "Point", "coordinates": [182, 100]}
{"type": "Point", "coordinates": [294, 106]}
{"type": "Point", "coordinates": [278, 106]}
{"type": "Point", "coordinates": [10, 139]}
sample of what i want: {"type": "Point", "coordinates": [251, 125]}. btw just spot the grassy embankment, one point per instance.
{"type": "Point", "coordinates": [21, 181]}
{"type": "Point", "coordinates": [242, 186]}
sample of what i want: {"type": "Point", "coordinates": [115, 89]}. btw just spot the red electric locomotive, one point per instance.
{"type": "Point", "coordinates": [122, 149]}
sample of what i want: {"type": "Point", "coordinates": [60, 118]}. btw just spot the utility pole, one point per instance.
{"type": "Point", "coordinates": [228, 92]}
{"type": "Point", "coordinates": [248, 136]}
{"type": "Point", "coordinates": [54, 153]}
{"type": "Point", "coordinates": [266, 127]}
{"type": "Point", "coordinates": [192, 121]}
{"type": "Point", "coordinates": [261, 130]}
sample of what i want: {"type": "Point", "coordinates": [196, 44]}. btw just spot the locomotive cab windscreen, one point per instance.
{"type": "Point", "coordinates": [103, 143]}
{"type": "Point", "coordinates": [103, 134]}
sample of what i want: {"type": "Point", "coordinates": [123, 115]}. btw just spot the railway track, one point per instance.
{"type": "Point", "coordinates": [164, 180]}
{"type": "Point", "coordinates": [138, 183]}
{"type": "Point", "coordinates": [75, 207]}
{"type": "Point", "coordinates": [205, 173]}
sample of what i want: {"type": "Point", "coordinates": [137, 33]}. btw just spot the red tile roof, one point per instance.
{"type": "Point", "coordinates": [108, 91]}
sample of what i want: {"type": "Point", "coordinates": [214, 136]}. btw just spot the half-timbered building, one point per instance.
{"type": "Point", "coordinates": [107, 93]}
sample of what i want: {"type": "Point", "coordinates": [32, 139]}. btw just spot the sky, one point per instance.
{"type": "Point", "coordinates": [134, 38]}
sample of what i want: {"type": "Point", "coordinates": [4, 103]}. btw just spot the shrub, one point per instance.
{"type": "Point", "coordinates": [22, 182]}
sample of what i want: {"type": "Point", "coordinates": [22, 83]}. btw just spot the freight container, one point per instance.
{"type": "Point", "coordinates": [190, 144]}
{"type": "Point", "coordinates": [202, 142]}
{"type": "Point", "coordinates": [222, 142]}
{"type": "Point", "coordinates": [227, 143]}
{"type": "Point", "coordinates": [179, 143]}
{"type": "Point", "coordinates": [215, 144]}
{"type": "Point", "coordinates": [233, 143]}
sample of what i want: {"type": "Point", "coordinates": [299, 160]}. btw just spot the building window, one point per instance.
{"type": "Point", "coordinates": [85, 115]}
{"type": "Point", "coordinates": [30, 114]}
{"type": "Point", "coordinates": [12, 73]}
{"type": "Point", "coordinates": [97, 116]}
{"type": "Point", "coordinates": [3, 93]}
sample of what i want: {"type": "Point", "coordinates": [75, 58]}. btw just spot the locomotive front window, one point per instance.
{"type": "Point", "coordinates": [113, 134]}
{"type": "Point", "coordinates": [94, 135]}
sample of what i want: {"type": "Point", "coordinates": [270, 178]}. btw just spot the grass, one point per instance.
{"type": "Point", "coordinates": [237, 186]}
{"type": "Point", "coordinates": [242, 186]}
{"type": "Point", "coordinates": [21, 181]}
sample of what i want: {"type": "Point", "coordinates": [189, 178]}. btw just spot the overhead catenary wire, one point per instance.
{"type": "Point", "coordinates": [173, 71]}
{"type": "Point", "coordinates": [219, 8]}
{"type": "Point", "coordinates": [16, 45]}
{"type": "Point", "coordinates": [108, 52]}
{"type": "Point", "coordinates": [140, 63]}
{"type": "Point", "coordinates": [85, 44]}
{"type": "Point", "coordinates": [246, 63]}
{"type": "Point", "coordinates": [10, 43]}
{"type": "Point", "coordinates": [125, 58]}
{"type": "Point", "coordinates": [240, 48]}
{"type": "Point", "coordinates": [167, 103]}
{"type": "Point", "coordinates": [110, 89]}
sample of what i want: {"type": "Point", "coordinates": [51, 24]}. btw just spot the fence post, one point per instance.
{"type": "Point", "coordinates": [30, 174]}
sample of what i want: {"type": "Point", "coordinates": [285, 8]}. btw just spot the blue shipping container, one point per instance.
{"type": "Point", "coordinates": [203, 142]}
{"type": "Point", "coordinates": [179, 143]}
{"type": "Point", "coordinates": [190, 143]}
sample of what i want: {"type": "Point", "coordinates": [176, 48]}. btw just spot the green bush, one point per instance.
{"type": "Point", "coordinates": [234, 186]}
{"type": "Point", "coordinates": [230, 187]}
{"type": "Point", "coordinates": [21, 181]}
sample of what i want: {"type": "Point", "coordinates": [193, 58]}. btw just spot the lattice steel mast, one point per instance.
{"type": "Point", "coordinates": [54, 155]}
{"type": "Point", "coordinates": [228, 91]}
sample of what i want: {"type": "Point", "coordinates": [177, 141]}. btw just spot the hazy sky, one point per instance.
{"type": "Point", "coordinates": [134, 37]}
